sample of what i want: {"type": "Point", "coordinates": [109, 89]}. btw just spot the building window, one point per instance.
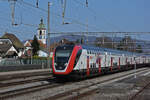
{"type": "Point", "coordinates": [43, 37]}
{"type": "Point", "coordinates": [40, 32]}
{"type": "Point", "coordinates": [40, 37]}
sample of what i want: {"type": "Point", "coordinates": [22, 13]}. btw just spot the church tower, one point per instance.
{"type": "Point", "coordinates": [41, 32]}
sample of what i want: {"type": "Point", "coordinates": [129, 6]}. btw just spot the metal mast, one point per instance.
{"type": "Point", "coordinates": [48, 37]}
{"type": "Point", "coordinates": [87, 21]}
{"type": "Point", "coordinates": [63, 2]}
{"type": "Point", "coordinates": [12, 5]}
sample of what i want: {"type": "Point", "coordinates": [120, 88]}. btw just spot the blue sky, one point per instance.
{"type": "Point", "coordinates": [101, 16]}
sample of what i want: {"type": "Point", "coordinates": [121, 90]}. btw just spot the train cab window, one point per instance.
{"type": "Point", "coordinates": [63, 53]}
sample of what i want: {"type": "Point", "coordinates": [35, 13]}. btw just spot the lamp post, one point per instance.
{"type": "Point", "coordinates": [31, 55]}
{"type": "Point", "coordinates": [48, 38]}
{"type": "Point", "coordinates": [134, 67]}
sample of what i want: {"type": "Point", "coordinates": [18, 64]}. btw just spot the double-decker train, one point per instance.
{"type": "Point", "coordinates": [83, 61]}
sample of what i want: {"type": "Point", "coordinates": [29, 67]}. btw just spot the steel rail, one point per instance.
{"type": "Point", "coordinates": [139, 92]}
{"type": "Point", "coordinates": [68, 94]}
{"type": "Point", "coordinates": [18, 92]}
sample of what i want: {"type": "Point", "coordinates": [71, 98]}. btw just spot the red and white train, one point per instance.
{"type": "Point", "coordinates": [84, 61]}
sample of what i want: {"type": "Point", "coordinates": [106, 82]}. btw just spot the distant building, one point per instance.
{"type": "Point", "coordinates": [43, 52]}
{"type": "Point", "coordinates": [8, 51]}
{"type": "Point", "coordinates": [41, 36]}
{"type": "Point", "coordinates": [41, 32]}
{"type": "Point", "coordinates": [28, 49]}
{"type": "Point", "coordinates": [10, 46]}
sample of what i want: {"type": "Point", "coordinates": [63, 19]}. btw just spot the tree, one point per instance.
{"type": "Point", "coordinates": [35, 46]}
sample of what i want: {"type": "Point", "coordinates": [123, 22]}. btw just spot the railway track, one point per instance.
{"type": "Point", "coordinates": [8, 83]}
{"type": "Point", "coordinates": [71, 90]}
{"type": "Point", "coordinates": [12, 79]}
{"type": "Point", "coordinates": [138, 95]}
{"type": "Point", "coordinates": [80, 92]}
{"type": "Point", "coordinates": [23, 75]}
{"type": "Point", "coordinates": [15, 84]}
{"type": "Point", "coordinates": [36, 86]}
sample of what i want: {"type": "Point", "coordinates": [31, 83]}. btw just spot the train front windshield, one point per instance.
{"type": "Point", "coordinates": [62, 55]}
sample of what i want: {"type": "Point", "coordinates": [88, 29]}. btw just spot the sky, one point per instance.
{"type": "Point", "coordinates": [99, 16]}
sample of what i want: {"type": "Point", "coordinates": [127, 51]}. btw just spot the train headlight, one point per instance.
{"type": "Point", "coordinates": [55, 64]}
{"type": "Point", "coordinates": [66, 64]}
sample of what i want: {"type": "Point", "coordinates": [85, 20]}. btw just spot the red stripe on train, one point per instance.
{"type": "Point", "coordinates": [99, 62]}
{"type": "Point", "coordinates": [53, 61]}
{"type": "Point", "coordinates": [88, 65]}
{"type": "Point", "coordinates": [111, 64]}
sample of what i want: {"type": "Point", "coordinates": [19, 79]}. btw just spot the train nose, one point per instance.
{"type": "Point", "coordinates": [61, 66]}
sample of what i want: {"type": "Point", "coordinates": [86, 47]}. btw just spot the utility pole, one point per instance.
{"type": "Point", "coordinates": [134, 67]}
{"type": "Point", "coordinates": [103, 41]}
{"type": "Point", "coordinates": [48, 37]}
{"type": "Point", "coordinates": [64, 9]}
{"type": "Point", "coordinates": [87, 31]}
{"type": "Point", "coordinates": [87, 22]}
{"type": "Point", "coordinates": [112, 41]}
{"type": "Point", "coordinates": [37, 3]}
{"type": "Point", "coordinates": [12, 5]}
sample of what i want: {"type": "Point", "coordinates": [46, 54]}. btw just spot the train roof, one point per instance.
{"type": "Point", "coordinates": [112, 51]}
{"type": "Point", "coordinates": [102, 49]}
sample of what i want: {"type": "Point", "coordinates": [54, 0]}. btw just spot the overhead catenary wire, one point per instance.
{"type": "Point", "coordinates": [95, 14]}
{"type": "Point", "coordinates": [44, 10]}
{"type": "Point", "coordinates": [76, 21]}
{"type": "Point", "coordinates": [14, 18]}
{"type": "Point", "coordinates": [73, 20]}
{"type": "Point", "coordinates": [21, 21]}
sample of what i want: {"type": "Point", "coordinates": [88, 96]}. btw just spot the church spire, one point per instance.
{"type": "Point", "coordinates": [41, 25]}
{"type": "Point", "coordinates": [41, 35]}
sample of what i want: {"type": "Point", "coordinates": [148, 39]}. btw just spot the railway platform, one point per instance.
{"type": "Point", "coordinates": [23, 73]}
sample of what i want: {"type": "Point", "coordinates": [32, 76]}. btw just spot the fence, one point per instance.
{"type": "Point", "coordinates": [11, 64]}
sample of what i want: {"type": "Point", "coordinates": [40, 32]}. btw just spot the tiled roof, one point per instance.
{"type": "Point", "coordinates": [4, 47]}
{"type": "Point", "coordinates": [28, 45]}
{"type": "Point", "coordinates": [16, 42]}
{"type": "Point", "coordinates": [40, 42]}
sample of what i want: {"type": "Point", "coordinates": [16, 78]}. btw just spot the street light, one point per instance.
{"type": "Point", "coordinates": [31, 55]}
{"type": "Point", "coordinates": [135, 67]}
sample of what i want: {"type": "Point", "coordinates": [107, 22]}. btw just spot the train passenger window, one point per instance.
{"type": "Point", "coordinates": [91, 66]}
